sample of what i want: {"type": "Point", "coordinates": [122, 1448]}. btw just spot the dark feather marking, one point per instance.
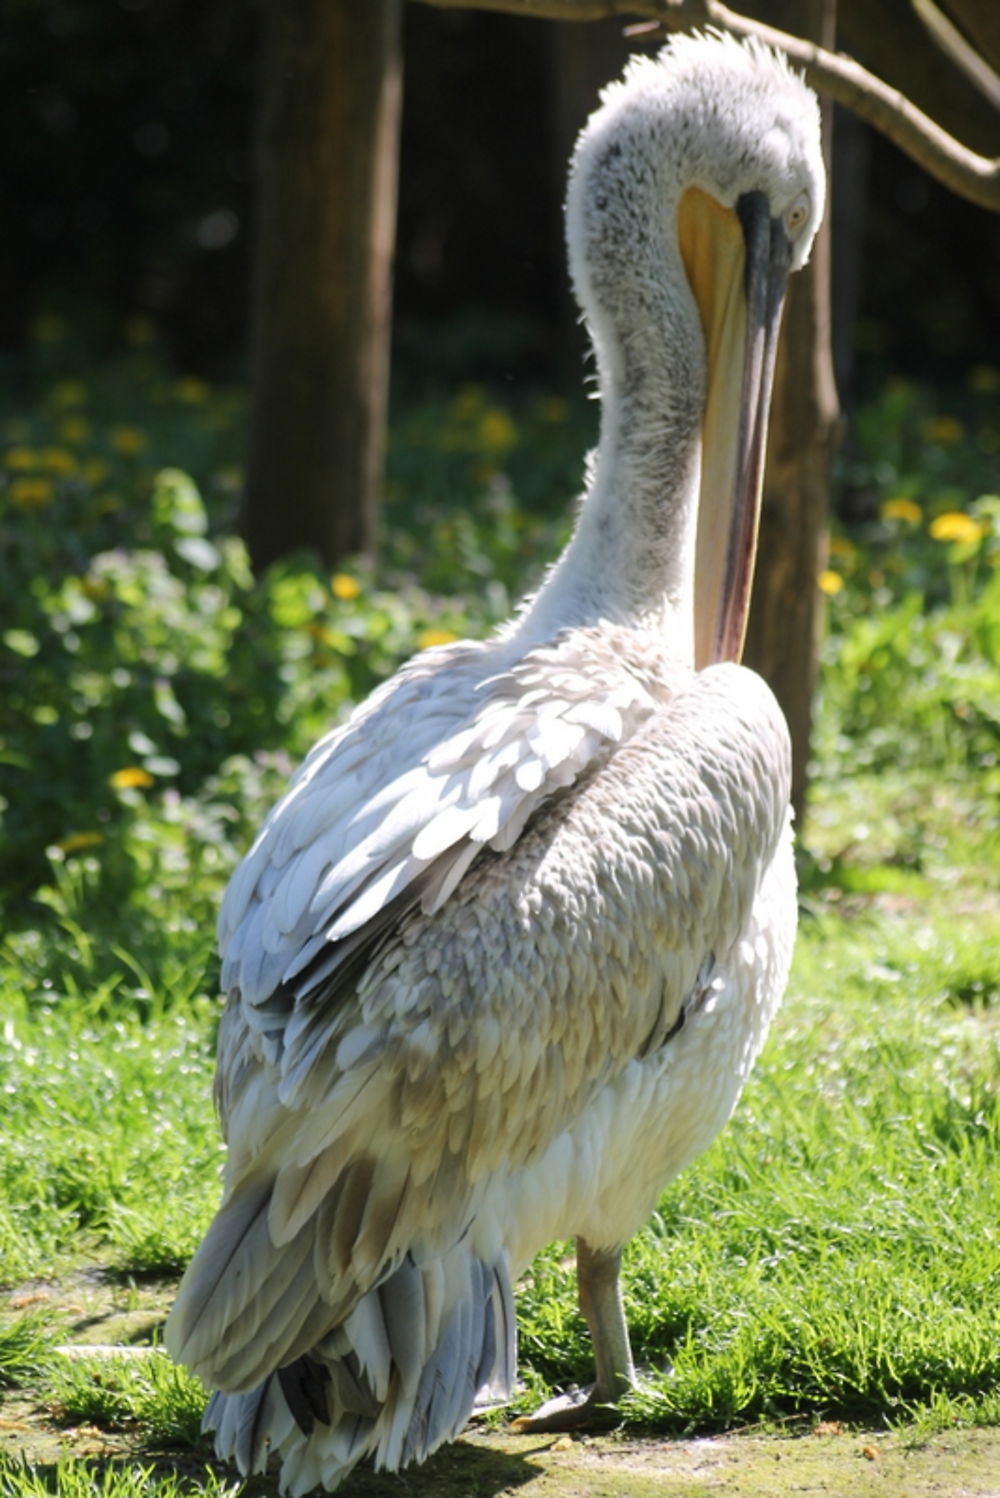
{"type": "Point", "coordinates": [304, 1385]}
{"type": "Point", "coordinates": [354, 1195]}
{"type": "Point", "coordinates": [401, 1298]}
{"type": "Point", "coordinates": [213, 1413]}
{"type": "Point", "coordinates": [655, 1040]}
{"type": "Point", "coordinates": [352, 1392]}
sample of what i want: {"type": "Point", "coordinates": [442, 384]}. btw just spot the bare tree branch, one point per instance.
{"type": "Point", "coordinates": [971, 176]}
{"type": "Point", "coordinates": [953, 44]}
{"type": "Point", "coordinates": [980, 21]}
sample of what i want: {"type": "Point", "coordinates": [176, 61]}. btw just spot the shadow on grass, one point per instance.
{"type": "Point", "coordinates": [457, 1471]}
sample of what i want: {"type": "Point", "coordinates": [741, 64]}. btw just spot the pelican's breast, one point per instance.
{"type": "Point", "coordinates": [668, 1108]}
{"type": "Point", "coordinates": [677, 857]}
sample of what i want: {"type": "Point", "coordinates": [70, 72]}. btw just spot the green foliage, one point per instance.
{"type": "Point", "coordinates": [910, 673]}
{"type": "Point", "coordinates": [133, 624]}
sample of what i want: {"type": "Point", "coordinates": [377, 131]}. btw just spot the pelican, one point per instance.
{"type": "Point", "coordinates": [500, 961]}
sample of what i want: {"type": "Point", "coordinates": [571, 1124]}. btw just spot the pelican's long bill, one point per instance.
{"type": "Point", "coordinates": [737, 264]}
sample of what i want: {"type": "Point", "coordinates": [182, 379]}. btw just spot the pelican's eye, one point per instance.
{"type": "Point", "coordinates": [796, 215]}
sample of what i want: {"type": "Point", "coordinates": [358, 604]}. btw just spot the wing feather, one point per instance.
{"type": "Point", "coordinates": [397, 794]}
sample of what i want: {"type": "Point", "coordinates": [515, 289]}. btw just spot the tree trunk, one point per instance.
{"type": "Point", "coordinates": [784, 615]}
{"type": "Point", "coordinates": [327, 153]}
{"type": "Point", "coordinates": [582, 59]}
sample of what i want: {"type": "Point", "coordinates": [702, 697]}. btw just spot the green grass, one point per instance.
{"type": "Point", "coordinates": [73, 1478]}
{"type": "Point", "coordinates": [125, 1393]}
{"type": "Point", "coordinates": [835, 1255]}
{"type": "Point", "coordinates": [25, 1349]}
{"type": "Point", "coordinates": [110, 1144]}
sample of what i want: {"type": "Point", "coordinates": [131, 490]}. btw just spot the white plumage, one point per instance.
{"type": "Point", "coordinates": [500, 961]}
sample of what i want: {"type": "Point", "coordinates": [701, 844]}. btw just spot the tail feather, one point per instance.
{"type": "Point", "coordinates": [248, 1426]}
{"type": "Point", "coordinates": [273, 1320]}
{"type": "Point", "coordinates": [446, 1391]}
{"type": "Point", "coordinates": [221, 1269]}
{"type": "Point", "coordinates": [393, 1382]}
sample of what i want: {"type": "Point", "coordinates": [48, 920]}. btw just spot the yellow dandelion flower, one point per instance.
{"type": "Point", "coordinates": [428, 637]}
{"type": "Point", "coordinates": [554, 409]}
{"type": "Point", "coordinates": [107, 504]}
{"type": "Point", "coordinates": [31, 494]}
{"type": "Point", "coordinates": [191, 391]}
{"type": "Point", "coordinates": [953, 525]}
{"type": "Point", "coordinates": [344, 587]}
{"type": "Point", "coordinates": [134, 776]}
{"type": "Point", "coordinates": [57, 460]}
{"type": "Point", "coordinates": [129, 441]}
{"type": "Point", "coordinates": [68, 393]}
{"type": "Point", "coordinates": [984, 379]}
{"type": "Point", "coordinates": [95, 470]}
{"type": "Point", "coordinates": [20, 459]}
{"type": "Point", "coordinates": [946, 431]}
{"type": "Point", "coordinates": [497, 432]}
{"type": "Point", "coordinates": [74, 429]}
{"type": "Point", "coordinates": [829, 582]}
{"type": "Point", "coordinates": [77, 841]}
{"type": "Point", "coordinates": [902, 509]}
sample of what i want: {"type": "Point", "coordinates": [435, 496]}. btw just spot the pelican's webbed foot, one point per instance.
{"type": "Point", "coordinates": [576, 1410]}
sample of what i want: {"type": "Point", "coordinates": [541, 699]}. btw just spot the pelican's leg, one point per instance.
{"type": "Point", "coordinates": [599, 1290]}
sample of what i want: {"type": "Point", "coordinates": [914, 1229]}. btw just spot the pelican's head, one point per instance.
{"type": "Point", "coordinates": [695, 189]}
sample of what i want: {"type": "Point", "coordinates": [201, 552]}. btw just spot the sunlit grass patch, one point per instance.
{"type": "Point", "coordinates": [25, 1347]}
{"type": "Point", "coordinates": [74, 1478]}
{"type": "Point", "coordinates": [130, 1391]}
{"type": "Point", "coordinates": [110, 1145]}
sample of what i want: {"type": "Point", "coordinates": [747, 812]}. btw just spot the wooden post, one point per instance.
{"type": "Point", "coordinates": [327, 147]}
{"type": "Point", "coordinates": [783, 631]}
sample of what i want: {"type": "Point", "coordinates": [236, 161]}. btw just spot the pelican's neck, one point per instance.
{"type": "Point", "coordinates": [631, 557]}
